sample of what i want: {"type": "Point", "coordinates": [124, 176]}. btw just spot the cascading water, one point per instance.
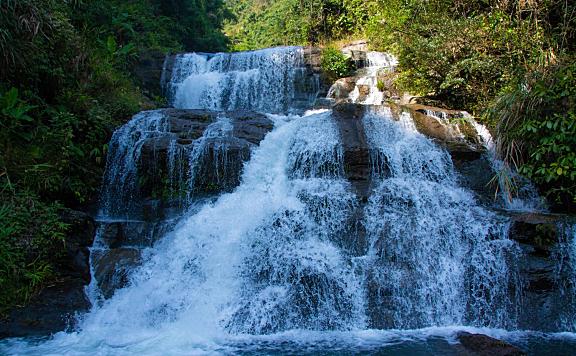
{"type": "Point", "coordinates": [366, 90]}
{"type": "Point", "coordinates": [271, 80]}
{"type": "Point", "coordinates": [427, 267]}
{"type": "Point", "coordinates": [273, 266]}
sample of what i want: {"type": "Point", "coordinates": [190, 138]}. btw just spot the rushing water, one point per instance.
{"type": "Point", "coordinates": [274, 267]}
{"type": "Point", "coordinates": [271, 80]}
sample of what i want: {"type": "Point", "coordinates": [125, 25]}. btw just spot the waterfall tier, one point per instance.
{"type": "Point", "coordinates": [356, 228]}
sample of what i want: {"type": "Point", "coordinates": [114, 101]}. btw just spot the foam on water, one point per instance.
{"type": "Point", "coordinates": [272, 80]}
{"type": "Point", "coordinates": [269, 267]}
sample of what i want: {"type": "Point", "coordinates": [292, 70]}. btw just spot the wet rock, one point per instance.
{"type": "Point", "coordinates": [476, 175]}
{"type": "Point", "coordinates": [134, 233]}
{"type": "Point", "coordinates": [540, 237]}
{"type": "Point", "coordinates": [450, 128]}
{"type": "Point", "coordinates": [539, 230]}
{"type": "Point", "coordinates": [357, 169]}
{"type": "Point", "coordinates": [221, 161]}
{"type": "Point", "coordinates": [313, 58]}
{"type": "Point", "coordinates": [113, 268]}
{"type": "Point", "coordinates": [357, 165]}
{"type": "Point", "coordinates": [148, 72]}
{"type": "Point", "coordinates": [76, 262]}
{"type": "Point", "coordinates": [52, 311]}
{"type": "Point", "coordinates": [342, 88]}
{"type": "Point", "coordinates": [250, 126]}
{"type": "Point", "coordinates": [483, 345]}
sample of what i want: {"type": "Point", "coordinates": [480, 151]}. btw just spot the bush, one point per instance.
{"type": "Point", "coordinates": [31, 237]}
{"type": "Point", "coordinates": [537, 130]}
{"type": "Point", "coordinates": [335, 64]}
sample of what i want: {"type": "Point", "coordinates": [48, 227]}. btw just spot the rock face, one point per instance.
{"type": "Point", "coordinates": [113, 268]}
{"type": "Point", "coordinates": [148, 72]}
{"type": "Point", "coordinates": [220, 157]}
{"type": "Point", "coordinates": [54, 308]}
{"type": "Point", "coordinates": [547, 290]}
{"type": "Point", "coordinates": [482, 345]}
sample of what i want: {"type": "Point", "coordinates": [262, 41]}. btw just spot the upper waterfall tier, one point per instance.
{"type": "Point", "coordinates": [272, 80]}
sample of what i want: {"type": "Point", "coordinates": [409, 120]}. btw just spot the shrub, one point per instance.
{"type": "Point", "coordinates": [335, 64]}
{"type": "Point", "coordinates": [537, 130]}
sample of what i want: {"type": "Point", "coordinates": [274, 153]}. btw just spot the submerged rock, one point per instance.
{"type": "Point", "coordinates": [483, 345]}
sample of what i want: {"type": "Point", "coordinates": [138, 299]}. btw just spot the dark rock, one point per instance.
{"type": "Point", "coordinates": [538, 230]}
{"type": "Point", "coordinates": [357, 165]}
{"type": "Point", "coordinates": [220, 164]}
{"type": "Point", "coordinates": [134, 233]}
{"type": "Point", "coordinates": [148, 72]}
{"type": "Point", "coordinates": [250, 126]}
{"type": "Point", "coordinates": [76, 262]}
{"type": "Point", "coordinates": [545, 285]}
{"type": "Point", "coordinates": [357, 169]}
{"type": "Point", "coordinates": [482, 345]}
{"type": "Point", "coordinates": [113, 268]}
{"type": "Point", "coordinates": [53, 310]}
{"type": "Point", "coordinates": [476, 175]}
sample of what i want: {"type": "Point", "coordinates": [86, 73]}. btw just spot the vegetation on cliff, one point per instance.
{"type": "Point", "coordinates": [507, 61]}
{"type": "Point", "coordinates": [65, 84]}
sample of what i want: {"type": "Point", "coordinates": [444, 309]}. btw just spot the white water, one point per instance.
{"type": "Point", "coordinates": [376, 63]}
{"type": "Point", "coordinates": [438, 257]}
{"type": "Point", "coordinates": [270, 80]}
{"type": "Point", "coordinates": [270, 267]}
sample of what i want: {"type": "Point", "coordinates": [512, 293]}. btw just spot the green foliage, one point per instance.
{"type": "Point", "coordinates": [31, 235]}
{"type": "Point", "coordinates": [266, 23]}
{"type": "Point", "coordinates": [66, 70]}
{"type": "Point", "coordinates": [335, 64]}
{"type": "Point", "coordinates": [537, 130]}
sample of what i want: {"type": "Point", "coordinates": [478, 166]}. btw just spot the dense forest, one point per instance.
{"type": "Point", "coordinates": [66, 82]}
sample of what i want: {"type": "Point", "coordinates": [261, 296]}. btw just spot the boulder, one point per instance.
{"type": "Point", "coordinates": [113, 268]}
{"type": "Point", "coordinates": [483, 345]}
{"type": "Point", "coordinates": [342, 88]}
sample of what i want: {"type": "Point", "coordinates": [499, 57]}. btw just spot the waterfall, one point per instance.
{"type": "Point", "coordinates": [293, 257]}
{"type": "Point", "coordinates": [270, 80]}
{"type": "Point", "coordinates": [366, 90]}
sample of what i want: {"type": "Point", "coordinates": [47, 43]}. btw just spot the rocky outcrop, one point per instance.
{"type": "Point", "coordinates": [483, 345]}
{"type": "Point", "coordinates": [217, 154]}
{"type": "Point", "coordinates": [450, 128]}
{"type": "Point", "coordinates": [113, 268]}
{"type": "Point", "coordinates": [357, 168]}
{"type": "Point", "coordinates": [51, 311]}
{"type": "Point", "coordinates": [547, 289]}
{"type": "Point", "coordinates": [54, 308]}
{"type": "Point", "coordinates": [219, 161]}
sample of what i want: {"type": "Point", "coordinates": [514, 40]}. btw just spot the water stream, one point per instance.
{"type": "Point", "coordinates": [274, 267]}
